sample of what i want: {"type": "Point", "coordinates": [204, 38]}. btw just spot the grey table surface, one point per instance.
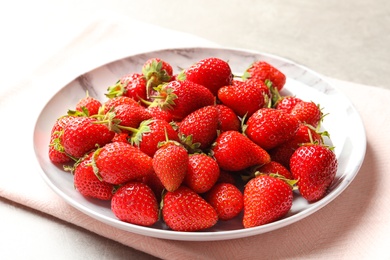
{"type": "Point", "coordinates": [347, 40]}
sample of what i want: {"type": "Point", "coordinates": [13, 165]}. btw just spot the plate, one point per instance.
{"type": "Point", "coordinates": [342, 122]}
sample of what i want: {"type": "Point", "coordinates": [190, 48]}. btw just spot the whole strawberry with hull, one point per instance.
{"type": "Point", "coordinates": [266, 199]}
{"type": "Point", "coordinates": [234, 151]}
{"type": "Point", "coordinates": [87, 183]}
{"type": "Point", "coordinates": [181, 98]}
{"type": "Point", "coordinates": [269, 127]}
{"type": "Point", "coordinates": [263, 71]}
{"type": "Point", "coordinates": [132, 85]}
{"type": "Point", "coordinates": [185, 210]}
{"type": "Point", "coordinates": [170, 163]}
{"type": "Point", "coordinates": [119, 162]}
{"type": "Point", "coordinates": [135, 203]}
{"type": "Point", "coordinates": [315, 167]}
{"type": "Point", "coordinates": [83, 134]}
{"type": "Point", "coordinates": [202, 125]}
{"type": "Point", "coordinates": [212, 72]}
{"type": "Point", "coordinates": [245, 97]}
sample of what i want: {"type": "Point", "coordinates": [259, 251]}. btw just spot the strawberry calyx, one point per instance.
{"type": "Point", "coordinates": [187, 142]}
{"type": "Point", "coordinates": [165, 99]}
{"type": "Point", "coordinates": [57, 145]}
{"type": "Point", "coordinates": [143, 128]}
{"type": "Point", "coordinates": [109, 120]}
{"type": "Point", "coordinates": [115, 90]}
{"type": "Point", "coordinates": [291, 182]}
{"type": "Point", "coordinates": [155, 75]}
{"type": "Point", "coordinates": [275, 95]}
{"type": "Point", "coordinates": [84, 112]}
{"type": "Point", "coordinates": [94, 165]}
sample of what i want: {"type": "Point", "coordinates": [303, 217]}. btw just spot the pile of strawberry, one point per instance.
{"type": "Point", "coordinates": [195, 148]}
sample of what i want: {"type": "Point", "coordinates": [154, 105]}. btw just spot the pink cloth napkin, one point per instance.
{"type": "Point", "coordinates": [356, 225]}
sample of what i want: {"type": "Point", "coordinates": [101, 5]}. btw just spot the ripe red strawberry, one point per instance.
{"type": "Point", "coordinates": [131, 85]}
{"type": "Point", "coordinates": [287, 103]}
{"type": "Point", "coordinates": [88, 105]}
{"type": "Point", "coordinates": [170, 163]}
{"type": "Point", "coordinates": [128, 116]}
{"type": "Point", "coordinates": [213, 73]}
{"type": "Point", "coordinates": [183, 97]}
{"type": "Point", "coordinates": [269, 127]}
{"type": "Point", "coordinates": [158, 113]}
{"type": "Point", "coordinates": [121, 137]}
{"type": "Point", "coordinates": [226, 199]}
{"type": "Point", "coordinates": [87, 183]}
{"type": "Point", "coordinates": [234, 151]}
{"type": "Point", "coordinates": [202, 173]}
{"type": "Point", "coordinates": [305, 134]}
{"type": "Point", "coordinates": [135, 203]}
{"type": "Point", "coordinates": [266, 199]}
{"type": "Point", "coordinates": [245, 97]}
{"type": "Point", "coordinates": [315, 167]}
{"type": "Point", "coordinates": [56, 150]}
{"type": "Point", "coordinates": [185, 210]}
{"type": "Point", "coordinates": [227, 119]}
{"type": "Point", "coordinates": [263, 71]}
{"type": "Point", "coordinates": [82, 134]}
{"type": "Point", "coordinates": [116, 101]}
{"type": "Point", "coordinates": [275, 168]}
{"type": "Point", "coordinates": [202, 125]}
{"type": "Point", "coordinates": [150, 133]}
{"type": "Point", "coordinates": [307, 112]}
{"type": "Point", "coordinates": [156, 72]}
{"type": "Point", "coordinates": [120, 162]}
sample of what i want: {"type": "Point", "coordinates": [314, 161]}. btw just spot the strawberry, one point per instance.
{"type": "Point", "coordinates": [202, 173]}
{"type": "Point", "coordinates": [120, 162]}
{"type": "Point", "coordinates": [213, 73]}
{"type": "Point", "coordinates": [307, 112]}
{"type": "Point", "coordinates": [116, 101]}
{"type": "Point", "coordinates": [244, 97]}
{"type": "Point", "coordinates": [170, 163]}
{"type": "Point", "coordinates": [121, 137]}
{"type": "Point", "coordinates": [129, 116]}
{"type": "Point", "coordinates": [263, 71]}
{"type": "Point", "coordinates": [305, 134]}
{"type": "Point", "coordinates": [234, 151]}
{"type": "Point", "coordinates": [275, 168]}
{"type": "Point", "coordinates": [156, 71]}
{"type": "Point", "coordinates": [82, 134]}
{"type": "Point", "coordinates": [269, 127]}
{"type": "Point", "coordinates": [88, 105]}
{"type": "Point", "coordinates": [227, 119]}
{"type": "Point", "coordinates": [185, 210]}
{"type": "Point", "coordinates": [56, 150]}
{"type": "Point", "coordinates": [183, 97]}
{"type": "Point", "coordinates": [226, 199]}
{"type": "Point", "coordinates": [202, 125]}
{"type": "Point", "coordinates": [315, 167]}
{"type": "Point", "coordinates": [266, 199]}
{"type": "Point", "coordinates": [158, 113]}
{"type": "Point", "coordinates": [87, 183]}
{"type": "Point", "coordinates": [131, 85]}
{"type": "Point", "coordinates": [135, 203]}
{"type": "Point", "coordinates": [150, 133]}
{"type": "Point", "coordinates": [287, 103]}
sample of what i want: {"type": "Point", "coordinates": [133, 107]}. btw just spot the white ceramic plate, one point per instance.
{"type": "Point", "coordinates": [343, 123]}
